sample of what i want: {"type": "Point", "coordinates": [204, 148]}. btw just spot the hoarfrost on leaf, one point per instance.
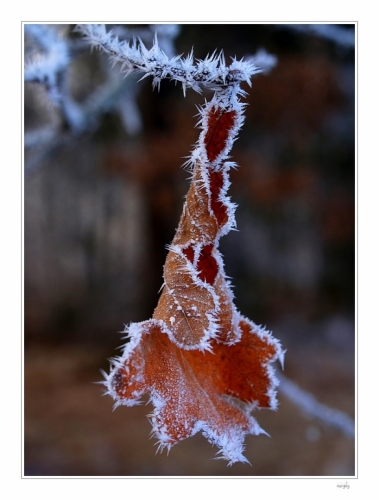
{"type": "Point", "coordinates": [197, 356]}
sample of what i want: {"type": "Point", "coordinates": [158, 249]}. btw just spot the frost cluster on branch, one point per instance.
{"type": "Point", "coordinates": [211, 72]}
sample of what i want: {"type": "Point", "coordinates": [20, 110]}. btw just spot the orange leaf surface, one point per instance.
{"type": "Point", "coordinates": [193, 272]}
{"type": "Point", "coordinates": [196, 391]}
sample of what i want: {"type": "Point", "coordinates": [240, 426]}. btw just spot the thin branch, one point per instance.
{"type": "Point", "coordinates": [342, 37]}
{"type": "Point", "coordinates": [309, 404]}
{"type": "Point", "coordinates": [212, 72]}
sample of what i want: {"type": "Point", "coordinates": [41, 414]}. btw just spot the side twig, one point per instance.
{"type": "Point", "coordinates": [308, 403]}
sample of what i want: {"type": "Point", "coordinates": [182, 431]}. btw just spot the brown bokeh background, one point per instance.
{"type": "Point", "coordinates": [100, 208]}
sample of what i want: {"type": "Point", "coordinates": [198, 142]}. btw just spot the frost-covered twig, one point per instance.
{"type": "Point", "coordinates": [50, 54]}
{"type": "Point", "coordinates": [47, 68]}
{"type": "Point", "coordinates": [337, 34]}
{"type": "Point", "coordinates": [38, 137]}
{"type": "Point", "coordinates": [50, 69]}
{"type": "Point", "coordinates": [212, 72]}
{"type": "Point", "coordinates": [309, 404]}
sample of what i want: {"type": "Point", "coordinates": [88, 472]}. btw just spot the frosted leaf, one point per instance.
{"type": "Point", "coordinates": [194, 391]}
{"type": "Point", "coordinates": [204, 366]}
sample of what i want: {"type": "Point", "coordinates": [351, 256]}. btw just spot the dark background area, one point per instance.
{"type": "Point", "coordinates": [100, 208]}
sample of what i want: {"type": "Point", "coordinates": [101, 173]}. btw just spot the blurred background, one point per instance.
{"type": "Point", "coordinates": [103, 193]}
